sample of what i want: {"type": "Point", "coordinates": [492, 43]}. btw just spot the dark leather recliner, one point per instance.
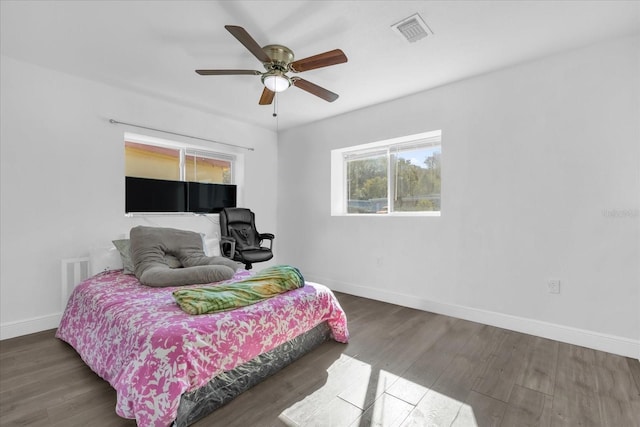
{"type": "Point", "coordinates": [239, 239]}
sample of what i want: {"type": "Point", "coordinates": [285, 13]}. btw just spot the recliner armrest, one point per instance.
{"type": "Point", "coordinates": [267, 236]}
{"type": "Point", "coordinates": [227, 241]}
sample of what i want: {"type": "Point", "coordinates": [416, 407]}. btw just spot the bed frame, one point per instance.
{"type": "Point", "coordinates": [197, 404]}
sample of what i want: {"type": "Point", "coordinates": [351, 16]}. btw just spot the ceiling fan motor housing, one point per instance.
{"type": "Point", "coordinates": [281, 57]}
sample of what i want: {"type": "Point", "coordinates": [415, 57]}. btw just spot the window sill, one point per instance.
{"type": "Point", "coordinates": [141, 214]}
{"type": "Point", "coordinates": [391, 215]}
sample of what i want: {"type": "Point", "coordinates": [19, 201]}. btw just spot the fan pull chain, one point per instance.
{"type": "Point", "coordinates": [275, 112]}
{"type": "Point", "coordinates": [275, 104]}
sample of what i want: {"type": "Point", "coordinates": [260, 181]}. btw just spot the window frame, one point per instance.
{"type": "Point", "coordinates": [236, 159]}
{"type": "Point", "coordinates": [341, 156]}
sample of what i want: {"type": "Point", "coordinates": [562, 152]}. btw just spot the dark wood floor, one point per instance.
{"type": "Point", "coordinates": [403, 367]}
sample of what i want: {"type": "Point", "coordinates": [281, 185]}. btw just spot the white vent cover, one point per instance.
{"type": "Point", "coordinates": [412, 28]}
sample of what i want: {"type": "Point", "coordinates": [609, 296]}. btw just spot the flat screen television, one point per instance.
{"type": "Point", "coordinates": [159, 195]}
{"type": "Point", "coordinates": [155, 195]}
{"type": "Point", "coordinates": [210, 198]}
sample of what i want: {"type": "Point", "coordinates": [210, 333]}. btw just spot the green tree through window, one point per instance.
{"type": "Point", "coordinates": [402, 177]}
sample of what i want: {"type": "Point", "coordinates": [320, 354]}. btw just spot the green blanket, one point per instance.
{"type": "Point", "coordinates": [265, 284]}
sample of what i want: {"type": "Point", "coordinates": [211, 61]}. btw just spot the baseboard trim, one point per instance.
{"type": "Point", "coordinates": [595, 340]}
{"type": "Point", "coordinates": [29, 326]}
{"type": "Point", "coordinates": [582, 337]}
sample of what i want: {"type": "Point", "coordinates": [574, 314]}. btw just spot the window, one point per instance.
{"type": "Point", "coordinates": [401, 176]}
{"type": "Point", "coordinates": [202, 166]}
{"type": "Point", "coordinates": [171, 161]}
{"type": "Point", "coordinates": [151, 161]}
{"type": "Point", "coordinates": [163, 176]}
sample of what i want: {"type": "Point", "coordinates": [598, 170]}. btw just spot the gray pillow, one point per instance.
{"type": "Point", "coordinates": [150, 245]}
{"type": "Point", "coordinates": [123, 246]}
{"type": "Point", "coordinates": [172, 261]}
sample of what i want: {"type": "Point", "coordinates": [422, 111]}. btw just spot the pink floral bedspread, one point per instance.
{"type": "Point", "coordinates": [151, 352]}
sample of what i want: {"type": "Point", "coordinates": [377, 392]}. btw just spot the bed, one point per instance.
{"type": "Point", "coordinates": [172, 368]}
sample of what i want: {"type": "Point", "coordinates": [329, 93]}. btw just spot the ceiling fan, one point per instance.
{"type": "Point", "coordinates": [278, 60]}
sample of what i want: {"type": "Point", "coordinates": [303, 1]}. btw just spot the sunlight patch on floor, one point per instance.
{"type": "Point", "coordinates": [436, 409]}
{"type": "Point", "coordinates": [357, 395]}
{"type": "Point", "coordinates": [465, 417]}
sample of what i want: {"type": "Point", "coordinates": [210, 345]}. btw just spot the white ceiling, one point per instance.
{"type": "Point", "coordinates": [153, 47]}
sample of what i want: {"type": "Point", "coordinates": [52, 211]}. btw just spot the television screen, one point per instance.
{"type": "Point", "coordinates": [210, 198]}
{"type": "Point", "coordinates": [155, 195]}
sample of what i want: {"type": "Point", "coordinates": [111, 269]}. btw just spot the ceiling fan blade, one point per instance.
{"type": "Point", "coordinates": [314, 89]}
{"type": "Point", "coordinates": [267, 97]}
{"type": "Point", "coordinates": [331, 57]}
{"type": "Point", "coordinates": [227, 72]}
{"type": "Point", "coordinates": [248, 42]}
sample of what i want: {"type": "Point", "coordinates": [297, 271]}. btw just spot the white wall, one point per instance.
{"type": "Point", "coordinates": [62, 181]}
{"type": "Point", "coordinates": [540, 180]}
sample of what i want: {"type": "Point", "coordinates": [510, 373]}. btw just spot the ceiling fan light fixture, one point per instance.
{"type": "Point", "coordinates": [276, 81]}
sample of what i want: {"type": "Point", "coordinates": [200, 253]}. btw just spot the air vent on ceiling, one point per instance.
{"type": "Point", "coordinates": [412, 28]}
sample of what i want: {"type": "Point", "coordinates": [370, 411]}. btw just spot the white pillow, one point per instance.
{"type": "Point", "coordinates": [104, 259]}
{"type": "Point", "coordinates": [211, 246]}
